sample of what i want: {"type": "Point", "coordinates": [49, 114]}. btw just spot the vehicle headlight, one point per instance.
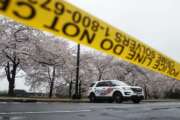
{"type": "Point", "coordinates": [126, 88]}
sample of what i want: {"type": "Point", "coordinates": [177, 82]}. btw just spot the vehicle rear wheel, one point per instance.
{"type": "Point", "coordinates": [117, 97]}
{"type": "Point", "coordinates": [92, 98]}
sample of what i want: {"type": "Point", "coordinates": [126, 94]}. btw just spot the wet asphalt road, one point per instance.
{"type": "Point", "coordinates": [88, 111]}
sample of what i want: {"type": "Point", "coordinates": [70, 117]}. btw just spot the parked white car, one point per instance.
{"type": "Point", "coordinates": [114, 91]}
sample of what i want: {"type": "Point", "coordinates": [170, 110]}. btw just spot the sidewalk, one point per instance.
{"type": "Point", "coordinates": [20, 99]}
{"type": "Point", "coordinates": [66, 100]}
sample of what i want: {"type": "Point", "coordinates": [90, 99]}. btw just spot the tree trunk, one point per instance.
{"type": "Point", "coordinates": [11, 75]}
{"type": "Point", "coordinates": [145, 93]}
{"type": "Point", "coordinates": [100, 76]}
{"type": "Point", "coordinates": [11, 88]}
{"type": "Point", "coordinates": [51, 89]}
{"type": "Point", "coordinates": [80, 94]}
{"type": "Point", "coordinates": [52, 83]}
{"type": "Point", "coordinates": [70, 89]}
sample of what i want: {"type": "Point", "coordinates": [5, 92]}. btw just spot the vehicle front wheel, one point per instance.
{"type": "Point", "coordinates": [117, 97]}
{"type": "Point", "coordinates": [92, 98]}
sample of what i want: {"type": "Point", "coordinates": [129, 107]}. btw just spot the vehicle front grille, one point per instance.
{"type": "Point", "coordinates": [136, 90]}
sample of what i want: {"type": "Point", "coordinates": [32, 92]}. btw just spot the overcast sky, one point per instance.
{"type": "Point", "coordinates": [155, 22]}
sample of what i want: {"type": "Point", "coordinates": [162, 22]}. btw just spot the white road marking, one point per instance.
{"type": "Point", "coordinates": [44, 112]}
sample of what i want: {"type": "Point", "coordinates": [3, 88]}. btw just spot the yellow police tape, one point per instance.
{"type": "Point", "coordinates": [63, 19]}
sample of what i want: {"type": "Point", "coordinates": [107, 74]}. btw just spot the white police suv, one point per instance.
{"type": "Point", "coordinates": [114, 91]}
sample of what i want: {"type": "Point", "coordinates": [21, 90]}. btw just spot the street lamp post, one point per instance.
{"type": "Point", "coordinates": [77, 96]}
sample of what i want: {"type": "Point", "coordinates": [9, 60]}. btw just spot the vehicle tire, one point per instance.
{"type": "Point", "coordinates": [117, 97]}
{"type": "Point", "coordinates": [136, 101]}
{"type": "Point", "coordinates": [92, 98]}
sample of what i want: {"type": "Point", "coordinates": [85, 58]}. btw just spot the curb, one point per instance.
{"type": "Point", "coordinates": [44, 100]}
{"type": "Point", "coordinates": [154, 101]}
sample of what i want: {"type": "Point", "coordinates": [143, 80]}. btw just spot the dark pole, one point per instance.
{"type": "Point", "coordinates": [77, 73]}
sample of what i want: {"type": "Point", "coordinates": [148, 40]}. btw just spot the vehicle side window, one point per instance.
{"type": "Point", "coordinates": [104, 84]}
{"type": "Point", "coordinates": [113, 84]}
{"type": "Point", "coordinates": [100, 84]}
{"type": "Point", "coordinates": [109, 84]}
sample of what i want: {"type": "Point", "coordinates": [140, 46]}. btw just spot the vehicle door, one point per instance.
{"type": "Point", "coordinates": [107, 89]}
{"type": "Point", "coordinates": [99, 89]}
{"type": "Point", "coordinates": [103, 89]}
